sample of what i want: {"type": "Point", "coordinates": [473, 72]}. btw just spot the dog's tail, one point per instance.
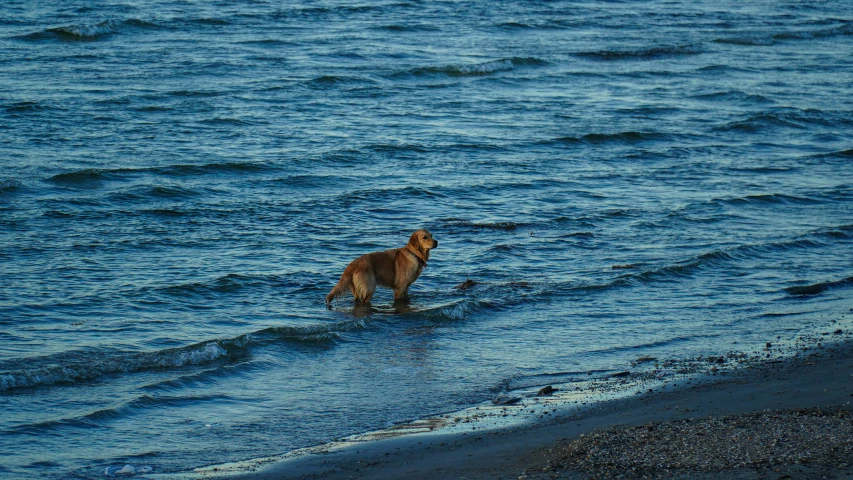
{"type": "Point", "coordinates": [339, 289]}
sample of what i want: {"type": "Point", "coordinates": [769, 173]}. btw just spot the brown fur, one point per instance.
{"type": "Point", "coordinates": [396, 269]}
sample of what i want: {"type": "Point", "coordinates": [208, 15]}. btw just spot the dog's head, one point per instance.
{"type": "Point", "coordinates": [421, 241]}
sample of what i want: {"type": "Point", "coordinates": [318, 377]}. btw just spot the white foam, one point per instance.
{"type": "Point", "coordinates": [92, 31]}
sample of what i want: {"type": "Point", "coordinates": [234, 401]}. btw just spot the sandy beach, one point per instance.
{"type": "Point", "coordinates": [780, 418]}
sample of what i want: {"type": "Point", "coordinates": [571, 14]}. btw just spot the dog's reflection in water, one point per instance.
{"type": "Point", "coordinates": [360, 310]}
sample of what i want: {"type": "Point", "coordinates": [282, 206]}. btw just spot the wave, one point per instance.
{"type": "Point", "coordinates": [454, 312]}
{"type": "Point", "coordinates": [621, 137]}
{"type": "Point", "coordinates": [735, 96]}
{"type": "Point", "coordinates": [72, 368]}
{"type": "Point", "coordinates": [309, 334]}
{"type": "Point", "coordinates": [481, 69]}
{"type": "Point", "coordinates": [409, 28]}
{"type": "Point", "coordinates": [377, 194]}
{"type": "Point", "coordinates": [226, 121]}
{"type": "Point", "coordinates": [819, 287]}
{"type": "Point", "coordinates": [9, 185]}
{"type": "Point", "coordinates": [28, 106]}
{"type": "Point", "coordinates": [89, 175]}
{"type": "Point", "coordinates": [713, 258]}
{"type": "Point", "coordinates": [212, 168]}
{"type": "Point", "coordinates": [76, 367]}
{"type": "Point", "coordinates": [304, 11]}
{"type": "Point", "coordinates": [764, 40]}
{"type": "Point", "coordinates": [644, 53]}
{"type": "Point", "coordinates": [225, 284]}
{"type": "Point", "coordinates": [90, 32]}
{"type": "Point", "coordinates": [459, 223]}
{"type": "Point", "coordinates": [799, 119]}
{"type": "Point", "coordinates": [327, 81]}
{"type": "Point", "coordinates": [145, 192]}
{"type": "Point", "coordinates": [767, 199]}
{"type": "Point", "coordinates": [196, 93]}
{"type": "Point", "coordinates": [838, 154]}
{"type": "Point", "coordinates": [142, 402]}
{"type": "Point", "coordinates": [748, 40]}
{"type": "Point", "coordinates": [208, 21]}
{"type": "Point", "coordinates": [843, 29]}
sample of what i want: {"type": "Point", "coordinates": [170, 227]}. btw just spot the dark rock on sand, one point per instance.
{"type": "Point", "coordinates": [546, 391]}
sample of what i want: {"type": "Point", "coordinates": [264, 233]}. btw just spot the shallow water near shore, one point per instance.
{"type": "Point", "coordinates": [182, 185]}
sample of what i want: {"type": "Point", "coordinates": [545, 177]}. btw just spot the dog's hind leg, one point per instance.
{"type": "Point", "coordinates": [363, 286]}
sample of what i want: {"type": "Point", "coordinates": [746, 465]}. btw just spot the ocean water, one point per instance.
{"type": "Point", "coordinates": [183, 182]}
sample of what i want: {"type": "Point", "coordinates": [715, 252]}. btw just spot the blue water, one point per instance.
{"type": "Point", "coordinates": [183, 182]}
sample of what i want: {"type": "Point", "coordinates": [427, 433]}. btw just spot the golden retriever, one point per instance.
{"type": "Point", "coordinates": [396, 269]}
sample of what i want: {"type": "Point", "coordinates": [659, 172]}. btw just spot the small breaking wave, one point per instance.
{"type": "Point", "coordinates": [27, 107]}
{"type": "Point", "coordinates": [9, 185]}
{"type": "Point", "coordinates": [748, 40]}
{"type": "Point", "coordinates": [481, 69]}
{"type": "Point", "coordinates": [734, 96]}
{"type": "Point", "coordinates": [71, 368]}
{"type": "Point", "coordinates": [90, 32]}
{"type": "Point", "coordinates": [75, 367]}
{"type": "Point", "coordinates": [817, 288]}
{"type": "Point", "coordinates": [87, 175]}
{"type": "Point", "coordinates": [760, 122]}
{"type": "Point", "coordinates": [309, 334]}
{"type": "Point", "coordinates": [375, 194]}
{"type": "Point", "coordinates": [843, 29]}
{"type": "Point", "coordinates": [621, 137]}
{"type": "Point", "coordinates": [421, 27]}
{"type": "Point", "coordinates": [329, 81]}
{"type": "Point", "coordinates": [845, 154]}
{"type": "Point", "coordinates": [643, 53]}
{"type": "Point", "coordinates": [225, 284]}
{"type": "Point", "coordinates": [762, 40]}
{"type": "Point", "coordinates": [459, 223]}
{"type": "Point", "coordinates": [142, 402]}
{"type": "Point", "coordinates": [454, 312]}
{"type": "Point", "coordinates": [767, 199]}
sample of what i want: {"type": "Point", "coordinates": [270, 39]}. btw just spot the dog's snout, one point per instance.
{"type": "Point", "coordinates": [434, 243]}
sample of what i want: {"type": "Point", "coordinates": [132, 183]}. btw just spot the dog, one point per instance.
{"type": "Point", "coordinates": [397, 269]}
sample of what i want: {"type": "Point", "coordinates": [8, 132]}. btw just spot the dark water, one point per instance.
{"type": "Point", "coordinates": [183, 182]}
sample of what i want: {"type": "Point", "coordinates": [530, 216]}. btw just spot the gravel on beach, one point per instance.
{"type": "Point", "coordinates": [797, 443]}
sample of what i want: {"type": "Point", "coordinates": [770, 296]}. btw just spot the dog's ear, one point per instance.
{"type": "Point", "coordinates": [414, 242]}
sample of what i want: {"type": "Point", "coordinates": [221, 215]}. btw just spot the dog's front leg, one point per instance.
{"type": "Point", "coordinates": [401, 293]}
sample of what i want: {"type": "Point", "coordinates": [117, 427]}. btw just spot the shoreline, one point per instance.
{"type": "Point", "coordinates": [488, 442]}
